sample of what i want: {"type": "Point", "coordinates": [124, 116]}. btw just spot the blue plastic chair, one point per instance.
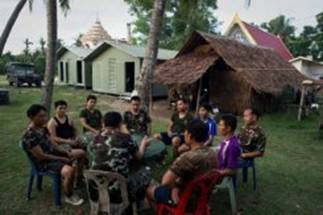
{"type": "Point", "coordinates": [245, 165]}
{"type": "Point", "coordinates": [56, 179]}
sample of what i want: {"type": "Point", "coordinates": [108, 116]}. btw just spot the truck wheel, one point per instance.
{"type": "Point", "coordinates": [38, 83]}
{"type": "Point", "coordinates": [30, 84]}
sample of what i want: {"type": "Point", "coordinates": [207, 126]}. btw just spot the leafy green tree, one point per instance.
{"type": "Point", "coordinates": [280, 26]}
{"type": "Point", "coordinates": [181, 18]}
{"type": "Point", "coordinates": [78, 41]}
{"type": "Point", "coordinates": [4, 59]}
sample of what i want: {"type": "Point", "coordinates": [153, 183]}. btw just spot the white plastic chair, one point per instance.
{"type": "Point", "coordinates": [227, 183]}
{"type": "Point", "coordinates": [103, 180]}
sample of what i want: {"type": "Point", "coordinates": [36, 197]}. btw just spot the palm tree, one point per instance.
{"type": "Point", "coordinates": [42, 44]}
{"type": "Point", "coordinates": [10, 23]}
{"type": "Point", "coordinates": [248, 3]}
{"type": "Point", "coordinates": [51, 7]}
{"type": "Point", "coordinates": [144, 85]}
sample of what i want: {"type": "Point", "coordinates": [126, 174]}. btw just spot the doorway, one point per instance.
{"type": "Point", "coordinates": [61, 64]}
{"type": "Point", "coordinates": [79, 72]}
{"type": "Point", "coordinates": [129, 76]}
{"type": "Point", "coordinates": [67, 75]}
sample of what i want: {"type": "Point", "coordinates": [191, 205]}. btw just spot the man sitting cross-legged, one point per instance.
{"type": "Point", "coordinates": [64, 134]}
{"type": "Point", "coordinates": [252, 137]}
{"type": "Point", "coordinates": [176, 126]}
{"type": "Point", "coordinates": [229, 149]}
{"type": "Point", "coordinates": [115, 151]}
{"type": "Point", "coordinates": [46, 156]}
{"type": "Point", "coordinates": [186, 167]}
{"type": "Point", "coordinates": [137, 121]}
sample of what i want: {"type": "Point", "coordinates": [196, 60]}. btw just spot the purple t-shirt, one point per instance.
{"type": "Point", "coordinates": [229, 153]}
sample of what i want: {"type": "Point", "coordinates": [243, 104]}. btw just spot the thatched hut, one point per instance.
{"type": "Point", "coordinates": [228, 73]}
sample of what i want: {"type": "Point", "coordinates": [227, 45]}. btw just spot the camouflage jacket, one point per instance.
{"type": "Point", "coordinates": [113, 152]}
{"type": "Point", "coordinates": [33, 138]}
{"type": "Point", "coordinates": [252, 138]}
{"type": "Point", "coordinates": [137, 124]}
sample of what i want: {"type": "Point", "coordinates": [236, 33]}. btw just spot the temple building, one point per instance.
{"type": "Point", "coordinates": [251, 34]}
{"type": "Point", "coordinates": [95, 35]}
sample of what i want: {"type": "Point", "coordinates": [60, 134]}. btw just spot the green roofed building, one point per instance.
{"type": "Point", "coordinates": [72, 69]}
{"type": "Point", "coordinates": [116, 66]}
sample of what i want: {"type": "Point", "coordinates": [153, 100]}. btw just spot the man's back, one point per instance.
{"type": "Point", "coordinates": [114, 152]}
{"type": "Point", "coordinates": [193, 164]}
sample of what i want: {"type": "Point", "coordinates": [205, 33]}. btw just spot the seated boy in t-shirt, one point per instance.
{"type": "Point", "coordinates": [90, 117]}
{"type": "Point", "coordinates": [176, 126]}
{"type": "Point", "coordinates": [204, 115]}
{"type": "Point", "coordinates": [186, 167]}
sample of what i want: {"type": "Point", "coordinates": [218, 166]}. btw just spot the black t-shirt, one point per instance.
{"type": "Point", "coordinates": [92, 118]}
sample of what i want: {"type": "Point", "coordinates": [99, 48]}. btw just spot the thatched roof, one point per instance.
{"type": "Point", "coordinates": [262, 68]}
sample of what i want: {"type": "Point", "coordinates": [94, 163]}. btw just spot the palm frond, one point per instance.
{"type": "Point", "coordinates": [30, 4]}
{"type": "Point", "coordinates": [247, 3]}
{"type": "Point", "coordinates": [64, 5]}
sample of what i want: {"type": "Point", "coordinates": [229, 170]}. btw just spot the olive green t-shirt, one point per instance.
{"type": "Point", "coordinates": [93, 118]}
{"type": "Point", "coordinates": [179, 124]}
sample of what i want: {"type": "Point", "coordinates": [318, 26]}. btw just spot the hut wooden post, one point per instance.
{"type": "Point", "coordinates": [301, 103]}
{"type": "Point", "coordinates": [198, 97]}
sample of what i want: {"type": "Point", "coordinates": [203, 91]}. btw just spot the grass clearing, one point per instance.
{"type": "Point", "coordinates": [290, 176]}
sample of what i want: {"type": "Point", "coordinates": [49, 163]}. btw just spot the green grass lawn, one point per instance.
{"type": "Point", "coordinates": [290, 176]}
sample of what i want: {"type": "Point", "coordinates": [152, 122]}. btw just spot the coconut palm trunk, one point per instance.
{"type": "Point", "coordinates": [10, 24]}
{"type": "Point", "coordinates": [51, 53]}
{"type": "Point", "coordinates": [144, 83]}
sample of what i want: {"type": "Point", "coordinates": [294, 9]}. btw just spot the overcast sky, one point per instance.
{"type": "Point", "coordinates": [114, 16]}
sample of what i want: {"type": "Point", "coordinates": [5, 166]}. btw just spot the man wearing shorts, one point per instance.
{"type": "Point", "coordinates": [64, 134]}
{"type": "Point", "coordinates": [46, 156]}
{"type": "Point", "coordinates": [186, 167]}
{"type": "Point", "coordinates": [176, 126]}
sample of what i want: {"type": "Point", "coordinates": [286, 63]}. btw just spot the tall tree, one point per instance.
{"type": "Point", "coordinates": [78, 40]}
{"type": "Point", "coordinates": [10, 23]}
{"type": "Point", "coordinates": [180, 19]}
{"type": "Point", "coordinates": [51, 7]}
{"type": "Point", "coordinates": [26, 51]}
{"type": "Point", "coordinates": [144, 85]}
{"type": "Point", "coordinates": [42, 44]}
{"type": "Point", "coordinates": [280, 26]}
{"type": "Point", "coordinates": [310, 41]}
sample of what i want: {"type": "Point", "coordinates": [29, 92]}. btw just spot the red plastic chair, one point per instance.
{"type": "Point", "coordinates": [206, 184]}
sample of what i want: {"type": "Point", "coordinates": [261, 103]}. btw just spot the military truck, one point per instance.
{"type": "Point", "coordinates": [21, 73]}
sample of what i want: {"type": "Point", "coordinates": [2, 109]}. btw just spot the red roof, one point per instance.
{"type": "Point", "coordinates": [265, 39]}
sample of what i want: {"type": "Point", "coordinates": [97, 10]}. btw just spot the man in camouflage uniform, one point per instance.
{"type": "Point", "coordinates": [116, 152]}
{"type": "Point", "coordinates": [252, 137]}
{"type": "Point", "coordinates": [137, 121]}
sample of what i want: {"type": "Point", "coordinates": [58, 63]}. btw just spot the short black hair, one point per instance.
{"type": "Point", "coordinates": [207, 107]}
{"type": "Point", "coordinates": [112, 119]}
{"type": "Point", "coordinates": [184, 100]}
{"type": "Point", "coordinates": [91, 97]}
{"type": "Point", "coordinates": [198, 130]}
{"type": "Point", "coordinates": [60, 103]}
{"type": "Point", "coordinates": [254, 111]}
{"type": "Point", "coordinates": [34, 109]}
{"type": "Point", "coordinates": [230, 120]}
{"type": "Point", "coordinates": [135, 98]}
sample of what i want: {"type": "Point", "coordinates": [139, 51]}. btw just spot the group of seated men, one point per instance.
{"type": "Point", "coordinates": [55, 146]}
